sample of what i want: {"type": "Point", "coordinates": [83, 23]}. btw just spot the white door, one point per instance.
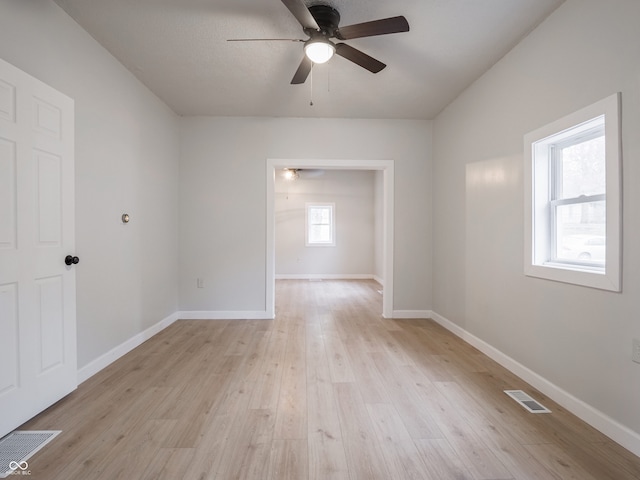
{"type": "Point", "coordinates": [37, 288]}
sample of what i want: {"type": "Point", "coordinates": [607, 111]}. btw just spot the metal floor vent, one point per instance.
{"type": "Point", "coordinates": [527, 402]}
{"type": "Point", "coordinates": [20, 445]}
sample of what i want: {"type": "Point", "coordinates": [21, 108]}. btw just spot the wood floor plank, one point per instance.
{"type": "Point", "coordinates": [329, 390]}
{"type": "Point", "coordinates": [168, 464]}
{"type": "Point", "coordinates": [254, 360]}
{"type": "Point", "coordinates": [267, 385]}
{"type": "Point", "coordinates": [363, 451]}
{"type": "Point", "coordinates": [321, 403]}
{"type": "Point", "coordinates": [339, 364]}
{"type": "Point", "coordinates": [291, 414]}
{"type": "Point", "coordinates": [369, 380]}
{"type": "Point", "coordinates": [119, 464]}
{"type": "Point", "coordinates": [625, 463]}
{"type": "Point", "coordinates": [210, 451]}
{"type": "Point", "coordinates": [419, 422]}
{"type": "Point", "coordinates": [247, 451]}
{"type": "Point", "coordinates": [441, 461]}
{"type": "Point", "coordinates": [399, 452]}
{"type": "Point", "coordinates": [288, 460]}
{"type": "Point", "coordinates": [326, 456]}
{"type": "Point", "coordinates": [240, 338]}
{"type": "Point", "coordinates": [560, 462]}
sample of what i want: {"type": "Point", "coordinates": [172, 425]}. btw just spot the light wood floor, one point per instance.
{"type": "Point", "coordinates": [328, 390]}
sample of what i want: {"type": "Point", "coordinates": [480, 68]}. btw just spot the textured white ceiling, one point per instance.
{"type": "Point", "coordinates": [178, 49]}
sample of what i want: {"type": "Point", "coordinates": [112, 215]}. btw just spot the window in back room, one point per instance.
{"type": "Point", "coordinates": [320, 224]}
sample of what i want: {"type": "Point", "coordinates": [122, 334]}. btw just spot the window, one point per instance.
{"type": "Point", "coordinates": [320, 224]}
{"type": "Point", "coordinates": [572, 198]}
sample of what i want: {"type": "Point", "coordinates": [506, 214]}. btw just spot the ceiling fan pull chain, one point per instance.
{"type": "Point", "coordinates": [311, 85]}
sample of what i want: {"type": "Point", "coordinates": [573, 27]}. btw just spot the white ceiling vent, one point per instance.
{"type": "Point", "coordinates": [527, 402]}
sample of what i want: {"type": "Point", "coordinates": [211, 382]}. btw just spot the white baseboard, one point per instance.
{"type": "Point", "coordinates": [224, 315]}
{"type": "Point", "coordinates": [324, 276]}
{"type": "Point", "coordinates": [619, 433]}
{"type": "Point", "coordinates": [115, 353]}
{"type": "Point", "coordinates": [379, 280]}
{"type": "Point", "coordinates": [412, 314]}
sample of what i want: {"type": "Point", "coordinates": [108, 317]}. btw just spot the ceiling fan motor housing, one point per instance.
{"type": "Point", "coordinates": [327, 19]}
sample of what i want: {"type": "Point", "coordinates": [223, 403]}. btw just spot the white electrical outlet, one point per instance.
{"type": "Point", "coordinates": [635, 356]}
{"type": "Point", "coordinates": [200, 282]}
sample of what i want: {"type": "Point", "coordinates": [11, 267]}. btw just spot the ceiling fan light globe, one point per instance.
{"type": "Point", "coordinates": [291, 174]}
{"type": "Point", "coordinates": [319, 52]}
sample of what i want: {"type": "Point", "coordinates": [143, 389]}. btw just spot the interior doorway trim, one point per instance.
{"type": "Point", "coordinates": [386, 166]}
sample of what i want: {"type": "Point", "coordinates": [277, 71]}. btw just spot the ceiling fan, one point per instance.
{"type": "Point", "coordinates": [296, 173]}
{"type": "Point", "coordinates": [321, 23]}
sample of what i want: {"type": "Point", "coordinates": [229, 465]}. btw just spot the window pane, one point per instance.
{"type": "Point", "coordinates": [319, 234]}
{"type": "Point", "coordinates": [315, 215]}
{"type": "Point", "coordinates": [319, 216]}
{"type": "Point", "coordinates": [583, 168]}
{"type": "Point", "coordinates": [581, 232]}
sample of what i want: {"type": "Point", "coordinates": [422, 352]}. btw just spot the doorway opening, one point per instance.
{"type": "Point", "coordinates": [386, 167]}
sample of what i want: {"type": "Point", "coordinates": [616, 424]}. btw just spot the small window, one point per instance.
{"type": "Point", "coordinates": [320, 224]}
{"type": "Point", "coordinates": [572, 198]}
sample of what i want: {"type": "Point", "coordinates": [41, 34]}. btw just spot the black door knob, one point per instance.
{"type": "Point", "coordinates": [68, 260]}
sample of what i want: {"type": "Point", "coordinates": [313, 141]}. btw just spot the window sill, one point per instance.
{"type": "Point", "coordinates": [575, 267]}
{"type": "Point", "coordinates": [576, 275]}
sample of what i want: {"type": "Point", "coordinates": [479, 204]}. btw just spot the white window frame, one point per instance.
{"type": "Point", "coordinates": [332, 224]}
{"type": "Point", "coordinates": [539, 190]}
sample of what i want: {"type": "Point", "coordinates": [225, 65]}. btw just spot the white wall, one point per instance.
{"type": "Point", "coordinates": [126, 161]}
{"type": "Point", "coordinates": [352, 192]}
{"type": "Point", "coordinates": [577, 338]}
{"type": "Point", "coordinates": [378, 227]}
{"type": "Point", "coordinates": [222, 209]}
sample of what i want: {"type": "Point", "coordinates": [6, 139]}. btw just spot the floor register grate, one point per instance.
{"type": "Point", "coordinates": [19, 446]}
{"type": "Point", "coordinates": [527, 402]}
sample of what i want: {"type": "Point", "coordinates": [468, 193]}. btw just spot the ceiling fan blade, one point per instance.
{"type": "Point", "coordinates": [302, 14]}
{"type": "Point", "coordinates": [310, 172]}
{"type": "Point", "coordinates": [370, 29]}
{"type": "Point", "coordinates": [264, 40]}
{"type": "Point", "coordinates": [303, 71]}
{"type": "Point", "coordinates": [359, 58]}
